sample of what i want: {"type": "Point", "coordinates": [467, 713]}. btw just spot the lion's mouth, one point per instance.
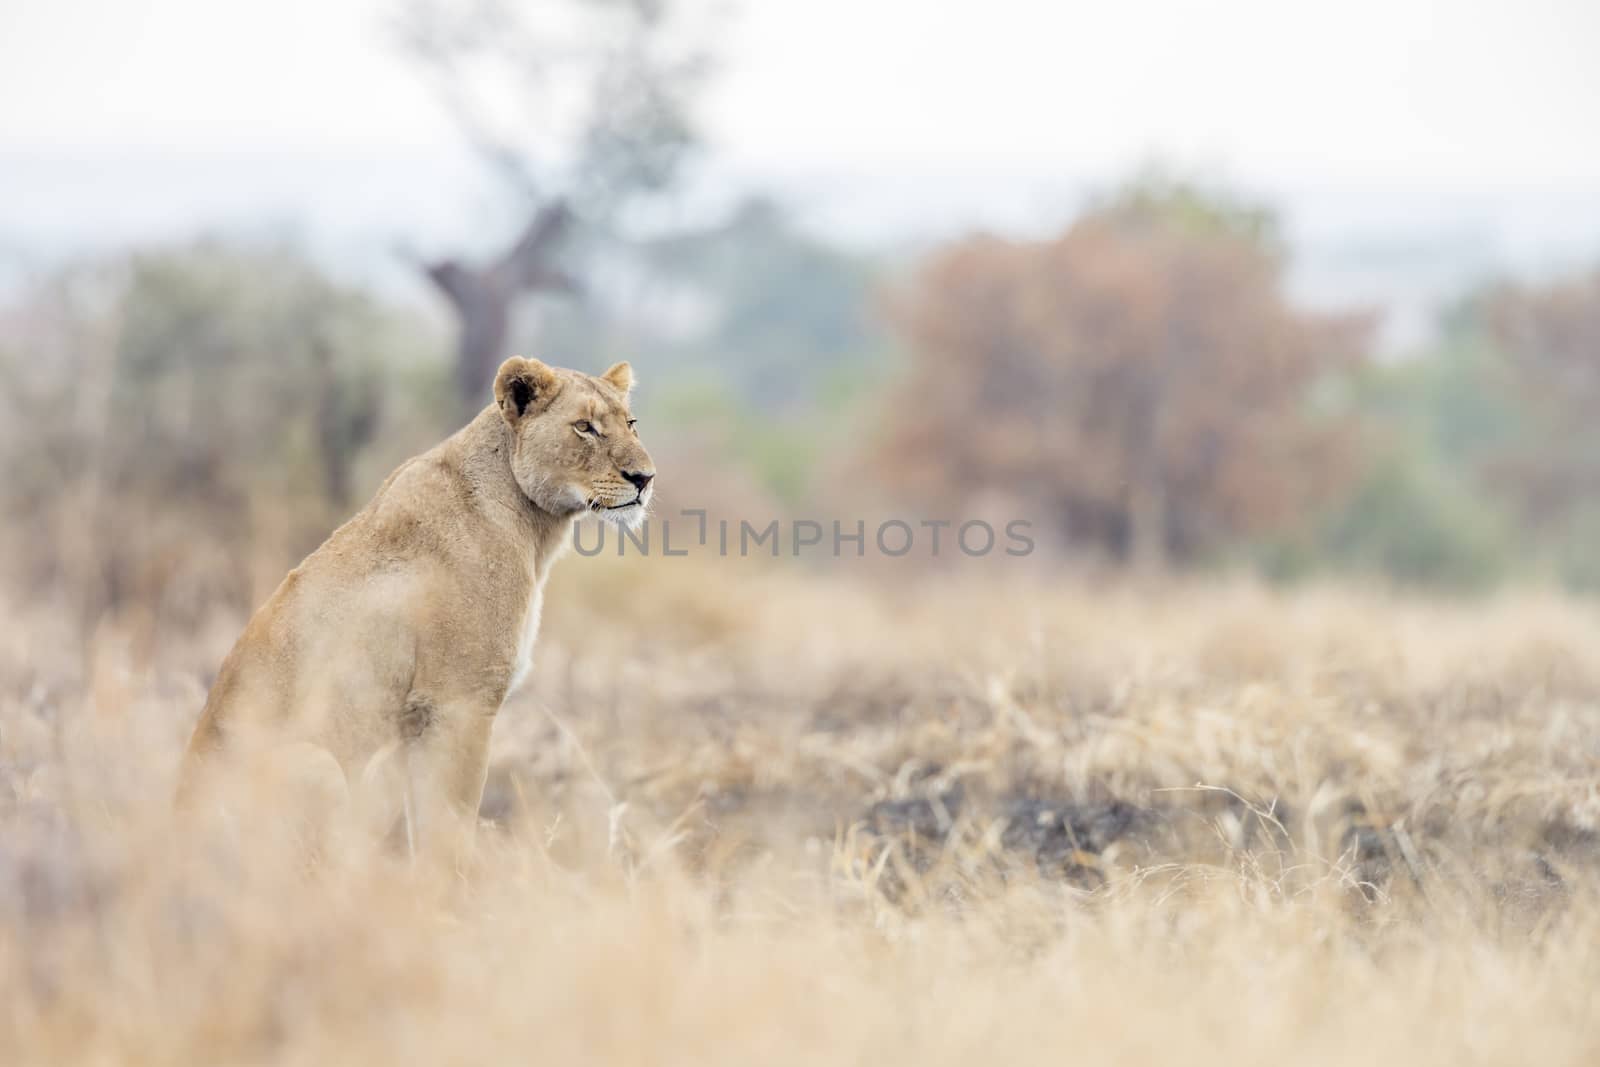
{"type": "Point", "coordinates": [635, 502]}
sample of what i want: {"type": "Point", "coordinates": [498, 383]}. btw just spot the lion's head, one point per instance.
{"type": "Point", "coordinates": [574, 444]}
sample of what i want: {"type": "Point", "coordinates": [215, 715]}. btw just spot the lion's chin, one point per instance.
{"type": "Point", "coordinates": [629, 516]}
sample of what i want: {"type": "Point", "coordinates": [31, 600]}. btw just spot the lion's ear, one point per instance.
{"type": "Point", "coordinates": [620, 376]}
{"type": "Point", "coordinates": [523, 385]}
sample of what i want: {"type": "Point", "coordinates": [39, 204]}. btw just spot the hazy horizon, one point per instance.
{"type": "Point", "coordinates": [1410, 148]}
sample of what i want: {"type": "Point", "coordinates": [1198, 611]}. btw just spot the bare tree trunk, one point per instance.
{"type": "Point", "coordinates": [345, 421]}
{"type": "Point", "coordinates": [1147, 485]}
{"type": "Point", "coordinates": [483, 313]}
{"type": "Point", "coordinates": [483, 297]}
{"type": "Point", "coordinates": [1147, 523]}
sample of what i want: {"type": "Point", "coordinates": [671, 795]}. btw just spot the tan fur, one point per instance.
{"type": "Point", "coordinates": [405, 631]}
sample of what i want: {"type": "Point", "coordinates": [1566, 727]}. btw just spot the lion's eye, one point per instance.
{"type": "Point", "coordinates": [582, 426]}
{"type": "Point", "coordinates": [632, 423]}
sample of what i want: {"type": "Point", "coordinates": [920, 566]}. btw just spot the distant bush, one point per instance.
{"type": "Point", "coordinates": [208, 401]}
{"type": "Point", "coordinates": [781, 454]}
{"type": "Point", "coordinates": [1413, 522]}
{"type": "Point", "coordinates": [1488, 466]}
{"type": "Point", "coordinates": [1576, 555]}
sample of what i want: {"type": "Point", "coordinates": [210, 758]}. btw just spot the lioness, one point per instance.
{"type": "Point", "coordinates": [403, 633]}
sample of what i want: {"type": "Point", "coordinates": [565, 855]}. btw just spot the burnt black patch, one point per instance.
{"type": "Point", "coordinates": [1053, 832]}
{"type": "Point", "coordinates": [1060, 838]}
{"type": "Point", "coordinates": [926, 819]}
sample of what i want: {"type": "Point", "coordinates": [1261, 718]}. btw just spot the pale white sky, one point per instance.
{"type": "Point", "coordinates": [1414, 145]}
{"type": "Point", "coordinates": [1415, 90]}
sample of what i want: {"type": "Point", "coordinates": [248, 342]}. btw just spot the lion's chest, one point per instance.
{"type": "Point", "coordinates": [529, 633]}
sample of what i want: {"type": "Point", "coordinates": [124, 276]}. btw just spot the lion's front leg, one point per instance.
{"type": "Point", "coordinates": [446, 764]}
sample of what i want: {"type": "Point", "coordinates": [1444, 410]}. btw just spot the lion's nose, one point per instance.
{"type": "Point", "coordinates": [640, 479]}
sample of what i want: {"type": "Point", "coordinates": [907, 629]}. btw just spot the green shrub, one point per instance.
{"type": "Point", "coordinates": [1416, 523]}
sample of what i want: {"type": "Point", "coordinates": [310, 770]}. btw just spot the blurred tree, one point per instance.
{"type": "Point", "coordinates": [1550, 338]}
{"type": "Point", "coordinates": [176, 403]}
{"type": "Point", "coordinates": [1420, 513]}
{"type": "Point", "coordinates": [785, 313]}
{"type": "Point", "coordinates": [482, 296]}
{"type": "Point", "coordinates": [580, 106]}
{"type": "Point", "coordinates": [769, 332]}
{"type": "Point", "coordinates": [243, 364]}
{"type": "Point", "coordinates": [1142, 377]}
{"type": "Point", "coordinates": [1417, 522]}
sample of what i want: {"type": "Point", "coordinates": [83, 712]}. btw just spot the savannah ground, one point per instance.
{"type": "Point", "coordinates": [760, 816]}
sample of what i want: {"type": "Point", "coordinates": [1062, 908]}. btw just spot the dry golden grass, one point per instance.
{"type": "Point", "coordinates": [753, 816]}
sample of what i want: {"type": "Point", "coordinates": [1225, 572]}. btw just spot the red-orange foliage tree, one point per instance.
{"type": "Point", "coordinates": [1141, 380]}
